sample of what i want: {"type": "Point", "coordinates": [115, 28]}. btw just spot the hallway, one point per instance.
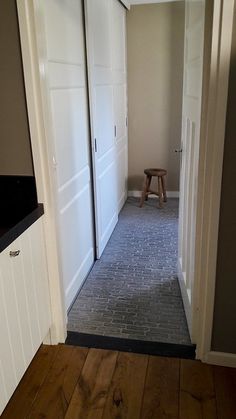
{"type": "Point", "coordinates": [132, 291]}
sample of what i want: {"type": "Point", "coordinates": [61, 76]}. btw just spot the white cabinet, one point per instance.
{"type": "Point", "coordinates": [24, 307]}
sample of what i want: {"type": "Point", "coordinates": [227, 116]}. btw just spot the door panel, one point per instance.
{"type": "Point", "coordinates": [100, 21]}
{"type": "Point", "coordinates": [106, 45]}
{"type": "Point", "coordinates": [192, 94]}
{"type": "Point", "coordinates": [71, 133]}
{"type": "Point", "coordinates": [78, 256]}
{"type": "Point", "coordinates": [120, 99]}
{"type": "Point", "coordinates": [102, 120]}
{"type": "Point", "coordinates": [67, 92]}
{"type": "Point", "coordinates": [64, 31]}
{"type": "Point", "coordinates": [119, 36]}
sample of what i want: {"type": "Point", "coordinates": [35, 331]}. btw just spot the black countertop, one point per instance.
{"type": "Point", "coordinates": [10, 232]}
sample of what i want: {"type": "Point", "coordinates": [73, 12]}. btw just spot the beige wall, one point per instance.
{"type": "Point", "coordinates": [15, 152]}
{"type": "Point", "coordinates": [224, 326]}
{"type": "Point", "coordinates": [155, 45]}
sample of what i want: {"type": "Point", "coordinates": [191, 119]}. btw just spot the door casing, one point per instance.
{"type": "Point", "coordinates": [211, 164]}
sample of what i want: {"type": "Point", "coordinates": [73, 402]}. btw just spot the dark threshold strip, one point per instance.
{"type": "Point", "coordinates": [131, 345]}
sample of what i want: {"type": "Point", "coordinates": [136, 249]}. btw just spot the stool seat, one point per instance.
{"type": "Point", "coordinates": [161, 192]}
{"type": "Point", "coordinates": [155, 172]}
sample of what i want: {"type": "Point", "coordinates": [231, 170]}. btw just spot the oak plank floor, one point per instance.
{"type": "Point", "coordinates": [91, 391]}
{"type": "Point", "coordinates": [125, 396]}
{"type": "Point", "coordinates": [25, 394]}
{"type": "Point", "coordinates": [197, 393]}
{"type": "Point", "coordinates": [161, 392]}
{"type": "Point", "coordinates": [54, 396]}
{"type": "Point", "coordinates": [78, 383]}
{"type": "Point", "coordinates": [225, 387]}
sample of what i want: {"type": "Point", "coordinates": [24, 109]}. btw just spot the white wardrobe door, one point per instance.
{"type": "Point", "coordinates": [104, 70]}
{"type": "Point", "coordinates": [120, 98]}
{"type": "Point", "coordinates": [68, 105]}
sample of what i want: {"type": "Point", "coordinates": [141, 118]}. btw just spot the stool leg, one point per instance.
{"type": "Point", "coordinates": [145, 188]}
{"type": "Point", "coordinates": [163, 181]}
{"type": "Point", "coordinates": [160, 192]}
{"type": "Point", "coordinates": [149, 179]}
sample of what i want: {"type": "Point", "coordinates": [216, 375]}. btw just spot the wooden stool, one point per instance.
{"type": "Point", "coordinates": [160, 174]}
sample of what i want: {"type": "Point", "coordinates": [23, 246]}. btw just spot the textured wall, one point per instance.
{"type": "Point", "coordinates": [224, 326]}
{"type": "Point", "coordinates": [15, 151]}
{"type": "Point", "coordinates": [155, 46]}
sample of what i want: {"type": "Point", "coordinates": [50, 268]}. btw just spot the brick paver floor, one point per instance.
{"type": "Point", "coordinates": [133, 290]}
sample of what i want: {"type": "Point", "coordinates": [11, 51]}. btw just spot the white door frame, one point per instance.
{"type": "Point", "coordinates": [210, 164]}
{"type": "Point", "coordinates": [210, 175]}
{"type": "Point", "coordinates": [27, 12]}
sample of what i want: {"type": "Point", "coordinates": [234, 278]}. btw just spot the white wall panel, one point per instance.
{"type": "Point", "coordinates": [70, 126]}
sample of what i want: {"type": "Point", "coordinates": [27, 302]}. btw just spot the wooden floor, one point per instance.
{"type": "Point", "coordinates": [72, 382]}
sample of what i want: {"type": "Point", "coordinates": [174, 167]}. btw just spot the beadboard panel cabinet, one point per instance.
{"type": "Point", "coordinates": [25, 317]}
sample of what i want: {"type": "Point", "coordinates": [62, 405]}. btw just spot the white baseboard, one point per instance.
{"type": "Point", "coordinates": [137, 194]}
{"type": "Point", "coordinates": [221, 358]}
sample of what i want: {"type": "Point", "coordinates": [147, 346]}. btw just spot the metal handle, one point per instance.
{"type": "Point", "coordinates": [178, 150]}
{"type": "Point", "coordinates": [14, 253]}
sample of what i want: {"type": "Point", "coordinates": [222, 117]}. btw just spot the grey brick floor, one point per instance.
{"type": "Point", "coordinates": [133, 291]}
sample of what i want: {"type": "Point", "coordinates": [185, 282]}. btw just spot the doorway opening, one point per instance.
{"type": "Point", "coordinates": [97, 55]}
{"type": "Point", "coordinates": [132, 292]}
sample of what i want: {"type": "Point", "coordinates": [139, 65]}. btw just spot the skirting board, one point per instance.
{"type": "Point", "coordinates": [221, 358]}
{"type": "Point", "coordinates": [137, 194]}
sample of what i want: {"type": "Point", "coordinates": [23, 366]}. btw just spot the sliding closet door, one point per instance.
{"type": "Point", "coordinates": [103, 43]}
{"type": "Point", "coordinates": [69, 139]}
{"type": "Point", "coordinates": [118, 22]}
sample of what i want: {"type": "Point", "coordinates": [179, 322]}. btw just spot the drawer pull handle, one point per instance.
{"type": "Point", "coordinates": [15, 253]}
